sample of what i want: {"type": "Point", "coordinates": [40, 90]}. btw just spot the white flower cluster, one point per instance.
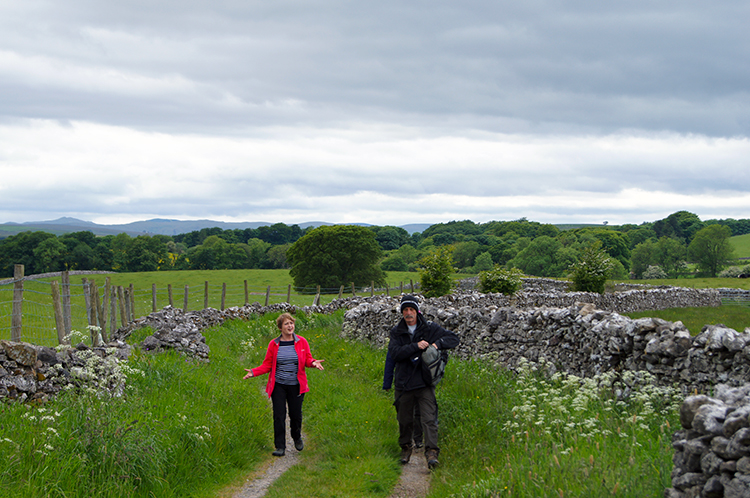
{"type": "Point", "coordinates": [202, 433]}
{"type": "Point", "coordinates": [46, 417]}
{"type": "Point", "coordinates": [563, 403]}
{"type": "Point", "coordinates": [100, 375]}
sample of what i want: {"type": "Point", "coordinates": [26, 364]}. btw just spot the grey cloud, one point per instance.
{"type": "Point", "coordinates": [644, 65]}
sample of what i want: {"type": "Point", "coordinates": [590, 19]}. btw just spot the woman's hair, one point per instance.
{"type": "Point", "coordinates": [282, 318]}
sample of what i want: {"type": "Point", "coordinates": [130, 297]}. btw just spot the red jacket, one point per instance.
{"type": "Point", "coordinates": [304, 357]}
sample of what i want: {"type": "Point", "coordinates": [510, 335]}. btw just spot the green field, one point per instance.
{"type": "Point", "coordinates": [741, 245]}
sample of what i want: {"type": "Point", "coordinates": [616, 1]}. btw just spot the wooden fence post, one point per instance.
{"type": "Point", "coordinates": [387, 290]}
{"type": "Point", "coordinates": [128, 309]}
{"type": "Point", "coordinates": [112, 310]}
{"type": "Point", "coordinates": [57, 306]}
{"type": "Point", "coordinates": [289, 294]}
{"type": "Point", "coordinates": [16, 322]}
{"type": "Point", "coordinates": [223, 295]}
{"type": "Point", "coordinates": [205, 294]}
{"type": "Point", "coordinates": [169, 293]}
{"type": "Point", "coordinates": [94, 316]}
{"type": "Point", "coordinates": [67, 319]}
{"type": "Point", "coordinates": [153, 298]}
{"type": "Point", "coordinates": [185, 302]}
{"type": "Point", "coordinates": [132, 302]}
{"type": "Point", "coordinates": [121, 301]}
{"type": "Point", "coordinates": [354, 294]}
{"type": "Point", "coordinates": [341, 291]}
{"type": "Point", "coordinates": [105, 309]}
{"type": "Point", "coordinates": [411, 285]}
{"type": "Point", "coordinates": [87, 299]}
{"type": "Point", "coordinates": [101, 312]}
{"type": "Point", "coordinates": [268, 294]}
{"type": "Point", "coordinates": [372, 288]}
{"type": "Point", "coordinates": [105, 300]}
{"type": "Point", "coordinates": [316, 301]}
{"type": "Point", "coordinates": [247, 295]}
{"type": "Point", "coordinates": [402, 286]}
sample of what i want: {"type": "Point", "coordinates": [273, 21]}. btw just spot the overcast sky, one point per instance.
{"type": "Point", "coordinates": [387, 112]}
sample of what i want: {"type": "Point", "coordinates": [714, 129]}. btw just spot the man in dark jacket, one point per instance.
{"type": "Point", "coordinates": [408, 339]}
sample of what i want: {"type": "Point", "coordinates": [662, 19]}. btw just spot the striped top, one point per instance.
{"type": "Point", "coordinates": [287, 364]}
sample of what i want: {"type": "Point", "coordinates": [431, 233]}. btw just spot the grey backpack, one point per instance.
{"type": "Point", "coordinates": [433, 365]}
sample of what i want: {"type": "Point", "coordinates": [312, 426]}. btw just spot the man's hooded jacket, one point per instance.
{"type": "Point", "coordinates": [404, 351]}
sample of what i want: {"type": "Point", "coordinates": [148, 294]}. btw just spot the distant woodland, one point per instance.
{"type": "Point", "coordinates": [535, 248]}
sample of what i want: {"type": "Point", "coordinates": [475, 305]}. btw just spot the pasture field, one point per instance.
{"type": "Point", "coordinates": [38, 316]}
{"type": "Point", "coordinates": [735, 317]}
{"type": "Point", "coordinates": [696, 283]}
{"type": "Point", "coordinates": [741, 245]}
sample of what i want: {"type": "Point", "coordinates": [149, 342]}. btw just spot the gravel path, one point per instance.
{"type": "Point", "coordinates": [415, 478]}
{"type": "Point", "coordinates": [258, 483]}
{"type": "Point", "coordinates": [414, 481]}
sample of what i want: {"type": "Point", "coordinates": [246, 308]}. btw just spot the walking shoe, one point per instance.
{"type": "Point", "coordinates": [418, 444]}
{"type": "Point", "coordinates": [279, 452]}
{"type": "Point", "coordinates": [405, 454]}
{"type": "Point", "coordinates": [432, 458]}
{"type": "Point", "coordinates": [298, 444]}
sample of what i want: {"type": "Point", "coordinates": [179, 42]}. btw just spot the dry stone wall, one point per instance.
{"type": "Point", "coordinates": [579, 338]}
{"type": "Point", "coordinates": [712, 451]}
{"type": "Point", "coordinates": [36, 373]}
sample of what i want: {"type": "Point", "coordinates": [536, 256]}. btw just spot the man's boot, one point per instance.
{"type": "Point", "coordinates": [405, 454]}
{"type": "Point", "coordinates": [432, 458]}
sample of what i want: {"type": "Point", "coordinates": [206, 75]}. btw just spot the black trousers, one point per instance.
{"type": "Point", "coordinates": [425, 399]}
{"type": "Point", "coordinates": [282, 396]}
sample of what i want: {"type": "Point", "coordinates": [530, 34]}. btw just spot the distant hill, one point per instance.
{"type": "Point", "coordinates": [155, 226]}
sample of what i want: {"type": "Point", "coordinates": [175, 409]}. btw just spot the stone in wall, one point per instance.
{"type": "Point", "coordinates": [36, 373]}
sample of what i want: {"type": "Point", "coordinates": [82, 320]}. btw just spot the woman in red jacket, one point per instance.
{"type": "Point", "coordinates": [286, 359]}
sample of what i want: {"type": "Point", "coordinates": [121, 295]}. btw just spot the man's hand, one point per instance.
{"type": "Point", "coordinates": [424, 344]}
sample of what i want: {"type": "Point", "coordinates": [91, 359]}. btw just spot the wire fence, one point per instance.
{"type": "Point", "coordinates": [49, 312]}
{"type": "Point", "coordinates": [38, 324]}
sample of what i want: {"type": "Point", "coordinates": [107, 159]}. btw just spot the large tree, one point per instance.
{"type": "Point", "coordinates": [331, 256]}
{"type": "Point", "coordinates": [711, 249]}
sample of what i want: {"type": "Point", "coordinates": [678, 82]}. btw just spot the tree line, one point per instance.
{"type": "Point", "coordinates": [656, 248]}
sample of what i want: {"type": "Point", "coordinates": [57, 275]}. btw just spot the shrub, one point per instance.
{"type": "Point", "coordinates": [654, 272]}
{"type": "Point", "coordinates": [435, 272]}
{"type": "Point", "coordinates": [734, 271]}
{"type": "Point", "coordinates": [592, 271]}
{"type": "Point", "coordinates": [501, 280]}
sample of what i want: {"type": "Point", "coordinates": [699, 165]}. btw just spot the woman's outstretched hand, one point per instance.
{"type": "Point", "coordinates": [317, 364]}
{"type": "Point", "coordinates": [249, 373]}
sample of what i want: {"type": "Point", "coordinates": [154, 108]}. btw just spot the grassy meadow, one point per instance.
{"type": "Point", "coordinates": [187, 429]}
{"type": "Point", "coordinates": [741, 245]}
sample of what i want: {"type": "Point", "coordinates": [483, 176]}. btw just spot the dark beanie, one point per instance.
{"type": "Point", "coordinates": [408, 301]}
